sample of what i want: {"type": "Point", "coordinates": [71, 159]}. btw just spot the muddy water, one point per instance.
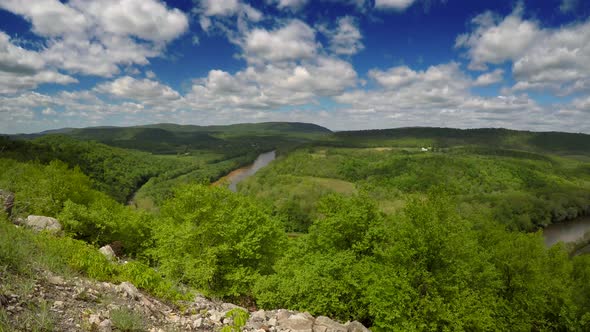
{"type": "Point", "coordinates": [241, 174]}
{"type": "Point", "coordinates": [569, 231]}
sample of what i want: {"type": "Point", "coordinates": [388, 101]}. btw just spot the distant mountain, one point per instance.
{"type": "Point", "coordinates": [167, 138]}
{"type": "Point", "coordinates": [556, 142]}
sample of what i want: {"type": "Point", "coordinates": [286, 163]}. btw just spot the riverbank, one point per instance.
{"type": "Point", "coordinates": [574, 233]}
{"type": "Point", "coordinates": [238, 175]}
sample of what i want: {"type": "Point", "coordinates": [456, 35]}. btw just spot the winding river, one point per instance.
{"type": "Point", "coordinates": [569, 231]}
{"type": "Point", "coordinates": [241, 174]}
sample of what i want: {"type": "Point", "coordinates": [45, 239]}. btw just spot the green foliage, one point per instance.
{"type": "Point", "coordinates": [44, 189]}
{"type": "Point", "coordinates": [239, 318]}
{"type": "Point", "coordinates": [21, 251]}
{"type": "Point", "coordinates": [522, 190]}
{"type": "Point", "coordinates": [104, 221]}
{"type": "Point", "coordinates": [216, 241]}
{"type": "Point", "coordinates": [127, 320]}
{"type": "Point", "coordinates": [426, 269]}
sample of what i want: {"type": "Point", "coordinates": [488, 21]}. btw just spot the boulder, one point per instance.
{"type": "Point", "coordinates": [325, 324]}
{"type": "Point", "coordinates": [105, 326]}
{"type": "Point", "coordinates": [356, 327]}
{"type": "Point", "coordinates": [129, 290]}
{"type": "Point", "coordinates": [108, 252]}
{"type": "Point", "coordinates": [297, 323]}
{"type": "Point", "coordinates": [41, 223]}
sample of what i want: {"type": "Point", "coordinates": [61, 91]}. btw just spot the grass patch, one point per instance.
{"type": "Point", "coordinates": [22, 252]}
{"type": "Point", "coordinates": [127, 320]}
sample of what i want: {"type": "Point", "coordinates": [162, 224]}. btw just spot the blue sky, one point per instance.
{"type": "Point", "coordinates": [343, 64]}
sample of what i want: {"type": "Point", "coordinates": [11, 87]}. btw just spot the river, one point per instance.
{"type": "Point", "coordinates": [241, 174]}
{"type": "Point", "coordinates": [568, 231]}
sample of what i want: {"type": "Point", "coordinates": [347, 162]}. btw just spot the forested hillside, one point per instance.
{"type": "Point", "coordinates": [384, 230]}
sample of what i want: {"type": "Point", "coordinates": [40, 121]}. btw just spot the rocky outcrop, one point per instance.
{"type": "Point", "coordinates": [108, 252]}
{"type": "Point", "coordinates": [79, 304]}
{"type": "Point", "coordinates": [41, 223]}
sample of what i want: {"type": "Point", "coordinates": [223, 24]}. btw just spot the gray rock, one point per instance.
{"type": "Point", "coordinates": [356, 327]}
{"type": "Point", "coordinates": [108, 252]}
{"type": "Point", "coordinates": [56, 280]}
{"type": "Point", "coordinates": [94, 320]}
{"type": "Point", "coordinates": [129, 290]}
{"type": "Point", "coordinates": [216, 316]}
{"type": "Point", "coordinates": [325, 324]}
{"type": "Point", "coordinates": [297, 323]}
{"type": "Point", "coordinates": [41, 223]}
{"type": "Point", "coordinates": [283, 314]}
{"type": "Point", "coordinates": [105, 326]}
{"type": "Point", "coordinates": [58, 305]}
{"type": "Point", "coordinates": [259, 315]}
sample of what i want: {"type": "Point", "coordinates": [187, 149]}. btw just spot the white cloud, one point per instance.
{"type": "Point", "coordinates": [95, 37]}
{"type": "Point", "coordinates": [147, 19]}
{"type": "Point", "coordinates": [345, 39]}
{"type": "Point", "coordinates": [15, 59]}
{"type": "Point", "coordinates": [293, 5]}
{"type": "Point", "coordinates": [490, 78]}
{"type": "Point", "coordinates": [440, 96]}
{"type": "Point", "coordinates": [295, 40]}
{"type": "Point", "coordinates": [398, 5]}
{"type": "Point", "coordinates": [496, 42]}
{"type": "Point", "coordinates": [145, 90]}
{"type": "Point", "coordinates": [21, 69]}
{"type": "Point", "coordinates": [556, 59]}
{"type": "Point", "coordinates": [270, 86]}
{"type": "Point", "coordinates": [48, 17]}
{"type": "Point", "coordinates": [217, 12]}
{"type": "Point", "coordinates": [220, 7]}
{"type": "Point", "coordinates": [48, 111]}
{"type": "Point", "coordinates": [560, 61]}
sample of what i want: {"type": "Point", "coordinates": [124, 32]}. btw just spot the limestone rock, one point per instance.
{"type": "Point", "coordinates": [259, 315]}
{"type": "Point", "coordinates": [94, 320]}
{"type": "Point", "coordinates": [41, 223]}
{"type": "Point", "coordinates": [297, 323]}
{"type": "Point", "coordinates": [129, 290]}
{"type": "Point", "coordinates": [325, 324]}
{"type": "Point", "coordinates": [105, 326]}
{"type": "Point", "coordinates": [108, 252]}
{"type": "Point", "coordinates": [356, 327]}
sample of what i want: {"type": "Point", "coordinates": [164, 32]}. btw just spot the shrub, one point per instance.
{"type": "Point", "coordinates": [215, 240]}
{"type": "Point", "coordinates": [126, 320]}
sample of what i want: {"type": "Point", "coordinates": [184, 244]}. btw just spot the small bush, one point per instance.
{"type": "Point", "coordinates": [126, 320]}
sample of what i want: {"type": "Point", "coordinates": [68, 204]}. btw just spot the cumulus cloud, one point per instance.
{"type": "Point", "coordinates": [494, 41]}
{"type": "Point", "coordinates": [293, 5]}
{"type": "Point", "coordinates": [490, 78]}
{"type": "Point", "coordinates": [441, 96]}
{"type": "Point", "coordinates": [21, 69]}
{"type": "Point", "coordinates": [149, 20]}
{"type": "Point", "coordinates": [217, 12]}
{"type": "Point", "coordinates": [345, 39]}
{"type": "Point", "coordinates": [556, 59]}
{"type": "Point", "coordinates": [15, 59]}
{"type": "Point", "coordinates": [270, 86]}
{"type": "Point", "coordinates": [293, 41]}
{"type": "Point", "coordinates": [96, 37]}
{"type": "Point", "coordinates": [144, 90]}
{"type": "Point", "coordinates": [398, 5]}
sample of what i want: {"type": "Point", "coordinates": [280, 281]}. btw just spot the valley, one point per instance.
{"type": "Point", "coordinates": [379, 227]}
